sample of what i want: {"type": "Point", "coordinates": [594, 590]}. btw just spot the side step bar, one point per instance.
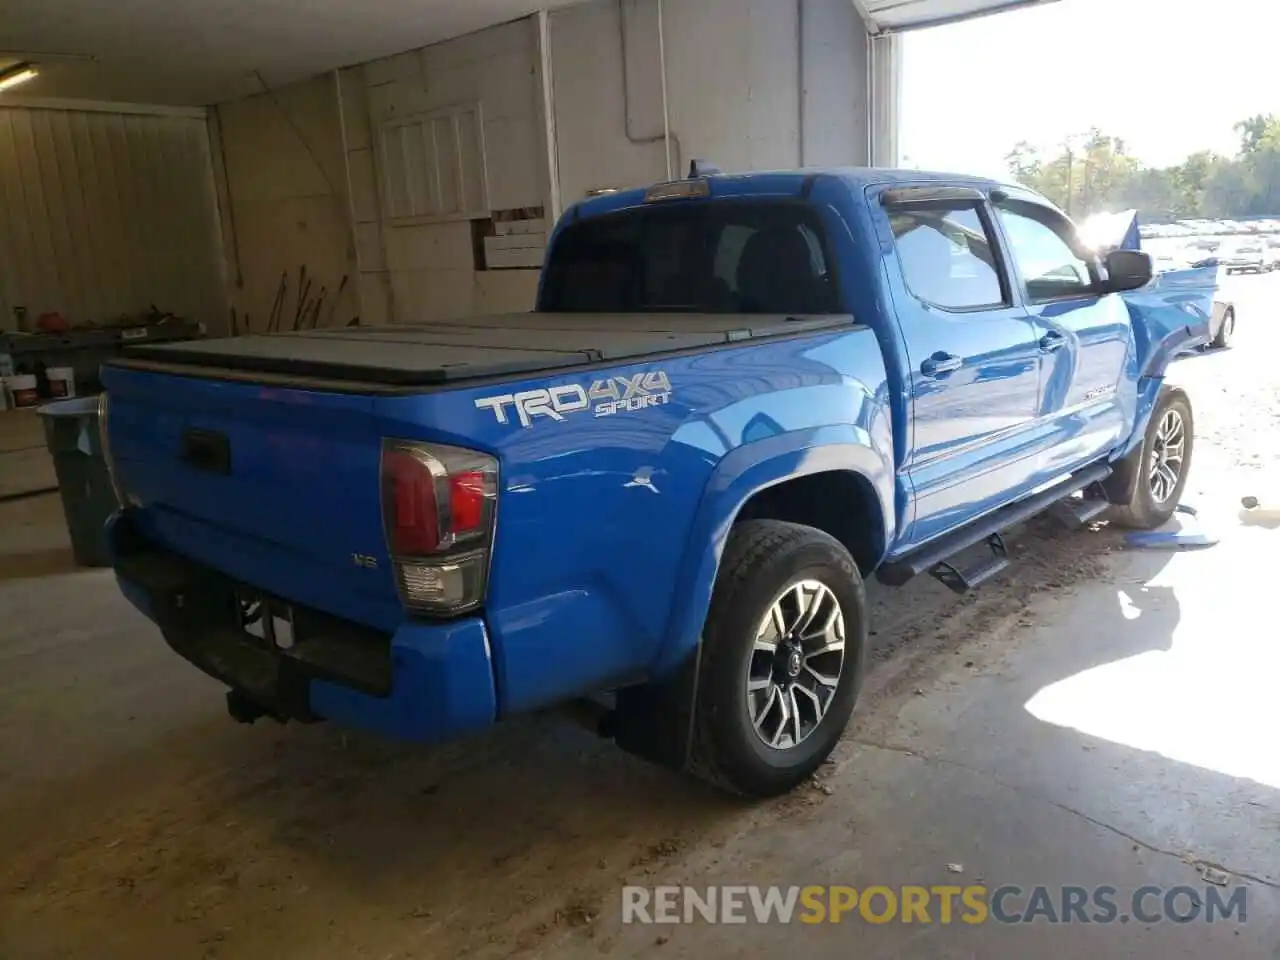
{"type": "Point", "coordinates": [933, 556]}
{"type": "Point", "coordinates": [1081, 511]}
{"type": "Point", "coordinates": [962, 581]}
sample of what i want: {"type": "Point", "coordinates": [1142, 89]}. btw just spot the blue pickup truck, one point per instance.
{"type": "Point", "coordinates": [661, 492]}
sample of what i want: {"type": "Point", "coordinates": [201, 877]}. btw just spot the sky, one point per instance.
{"type": "Point", "coordinates": [1170, 77]}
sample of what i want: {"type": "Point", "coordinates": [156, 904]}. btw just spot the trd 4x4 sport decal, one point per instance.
{"type": "Point", "coordinates": [605, 398]}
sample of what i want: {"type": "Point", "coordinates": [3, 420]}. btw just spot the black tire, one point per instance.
{"type": "Point", "coordinates": [1228, 327]}
{"type": "Point", "coordinates": [1142, 510]}
{"type": "Point", "coordinates": [762, 561]}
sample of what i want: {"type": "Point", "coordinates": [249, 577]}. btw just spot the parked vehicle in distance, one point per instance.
{"type": "Point", "coordinates": [1245, 257]}
{"type": "Point", "coordinates": [1271, 255]}
{"type": "Point", "coordinates": [739, 397]}
{"type": "Point", "coordinates": [1223, 324]}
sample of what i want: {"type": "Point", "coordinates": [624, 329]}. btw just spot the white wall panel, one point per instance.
{"type": "Point", "coordinates": [886, 97]}
{"type": "Point", "coordinates": [364, 186]}
{"type": "Point", "coordinates": [505, 291]}
{"type": "Point", "coordinates": [426, 204]}
{"type": "Point", "coordinates": [103, 214]}
{"type": "Point", "coordinates": [433, 165]}
{"type": "Point", "coordinates": [288, 189]}
{"type": "Point", "coordinates": [732, 78]}
{"type": "Point", "coordinates": [834, 48]}
{"type": "Point", "coordinates": [373, 288]}
{"type": "Point", "coordinates": [743, 78]}
{"type": "Point", "coordinates": [428, 246]}
{"type": "Point", "coordinates": [733, 81]}
{"type": "Point", "coordinates": [375, 298]}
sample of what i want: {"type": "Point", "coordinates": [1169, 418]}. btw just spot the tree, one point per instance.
{"type": "Point", "coordinates": [1253, 131]}
{"type": "Point", "coordinates": [1023, 162]}
{"type": "Point", "coordinates": [1083, 177]}
{"type": "Point", "coordinates": [1095, 172]}
{"type": "Point", "coordinates": [1190, 181]}
{"type": "Point", "coordinates": [1152, 192]}
{"type": "Point", "coordinates": [1229, 192]}
{"type": "Point", "coordinates": [1107, 170]}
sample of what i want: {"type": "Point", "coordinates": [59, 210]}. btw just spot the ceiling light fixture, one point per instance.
{"type": "Point", "coordinates": [19, 74]}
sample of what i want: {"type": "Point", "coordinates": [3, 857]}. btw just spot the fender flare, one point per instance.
{"type": "Point", "coordinates": [743, 473]}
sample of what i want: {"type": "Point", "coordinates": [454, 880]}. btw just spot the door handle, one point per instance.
{"type": "Point", "coordinates": [941, 364]}
{"type": "Point", "coordinates": [206, 450]}
{"type": "Point", "coordinates": [1052, 341]}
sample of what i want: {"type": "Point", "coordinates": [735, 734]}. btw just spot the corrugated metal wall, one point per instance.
{"type": "Point", "coordinates": [103, 214]}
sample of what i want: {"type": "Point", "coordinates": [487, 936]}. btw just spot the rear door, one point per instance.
{"type": "Point", "coordinates": [973, 354]}
{"type": "Point", "coordinates": [1083, 337]}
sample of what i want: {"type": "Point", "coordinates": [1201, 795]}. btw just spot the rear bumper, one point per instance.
{"type": "Point", "coordinates": [424, 681]}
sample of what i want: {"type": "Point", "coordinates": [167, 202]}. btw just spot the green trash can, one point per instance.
{"type": "Point", "coordinates": [88, 498]}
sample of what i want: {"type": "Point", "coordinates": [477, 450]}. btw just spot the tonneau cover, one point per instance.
{"type": "Point", "coordinates": [472, 347]}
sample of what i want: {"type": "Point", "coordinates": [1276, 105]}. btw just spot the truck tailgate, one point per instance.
{"type": "Point", "coordinates": [272, 486]}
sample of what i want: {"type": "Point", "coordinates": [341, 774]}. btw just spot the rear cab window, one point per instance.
{"type": "Point", "coordinates": [707, 256]}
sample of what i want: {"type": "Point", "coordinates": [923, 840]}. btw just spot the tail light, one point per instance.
{"type": "Point", "coordinates": [438, 513]}
{"type": "Point", "coordinates": [104, 439]}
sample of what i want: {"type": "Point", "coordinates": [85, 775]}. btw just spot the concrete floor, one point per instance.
{"type": "Point", "coordinates": [1097, 716]}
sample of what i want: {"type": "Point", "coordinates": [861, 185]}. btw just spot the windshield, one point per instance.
{"type": "Point", "coordinates": [715, 256]}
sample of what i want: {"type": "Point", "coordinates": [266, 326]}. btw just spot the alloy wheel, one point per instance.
{"type": "Point", "coordinates": [796, 664]}
{"type": "Point", "coordinates": [1168, 453]}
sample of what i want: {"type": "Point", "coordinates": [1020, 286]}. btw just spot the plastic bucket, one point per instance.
{"type": "Point", "coordinates": [62, 382]}
{"type": "Point", "coordinates": [22, 390]}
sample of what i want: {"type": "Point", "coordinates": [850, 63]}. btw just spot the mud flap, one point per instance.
{"type": "Point", "coordinates": [654, 721]}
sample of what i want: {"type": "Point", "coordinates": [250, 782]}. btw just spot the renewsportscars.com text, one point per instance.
{"type": "Point", "coordinates": [933, 905]}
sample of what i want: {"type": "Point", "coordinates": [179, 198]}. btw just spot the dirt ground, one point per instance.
{"type": "Point", "coordinates": [137, 821]}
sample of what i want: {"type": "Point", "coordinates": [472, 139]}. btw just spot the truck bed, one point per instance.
{"type": "Point", "coordinates": [436, 354]}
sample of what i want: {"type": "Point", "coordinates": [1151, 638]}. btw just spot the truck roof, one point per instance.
{"type": "Point", "coordinates": [788, 183]}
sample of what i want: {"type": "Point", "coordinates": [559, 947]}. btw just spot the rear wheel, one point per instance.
{"type": "Point", "coordinates": [1226, 330]}
{"type": "Point", "coordinates": [1158, 469]}
{"type": "Point", "coordinates": [783, 653]}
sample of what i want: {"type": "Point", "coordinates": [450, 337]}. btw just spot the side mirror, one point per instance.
{"type": "Point", "coordinates": [1127, 270]}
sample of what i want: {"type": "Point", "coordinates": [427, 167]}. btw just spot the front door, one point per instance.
{"type": "Point", "coordinates": [974, 360]}
{"type": "Point", "coordinates": [1084, 338]}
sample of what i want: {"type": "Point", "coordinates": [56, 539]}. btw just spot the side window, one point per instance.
{"type": "Point", "coordinates": [948, 259]}
{"type": "Point", "coordinates": [1045, 248]}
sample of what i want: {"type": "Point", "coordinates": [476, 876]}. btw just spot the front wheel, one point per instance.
{"type": "Point", "coordinates": [784, 649]}
{"type": "Point", "coordinates": [1156, 472]}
